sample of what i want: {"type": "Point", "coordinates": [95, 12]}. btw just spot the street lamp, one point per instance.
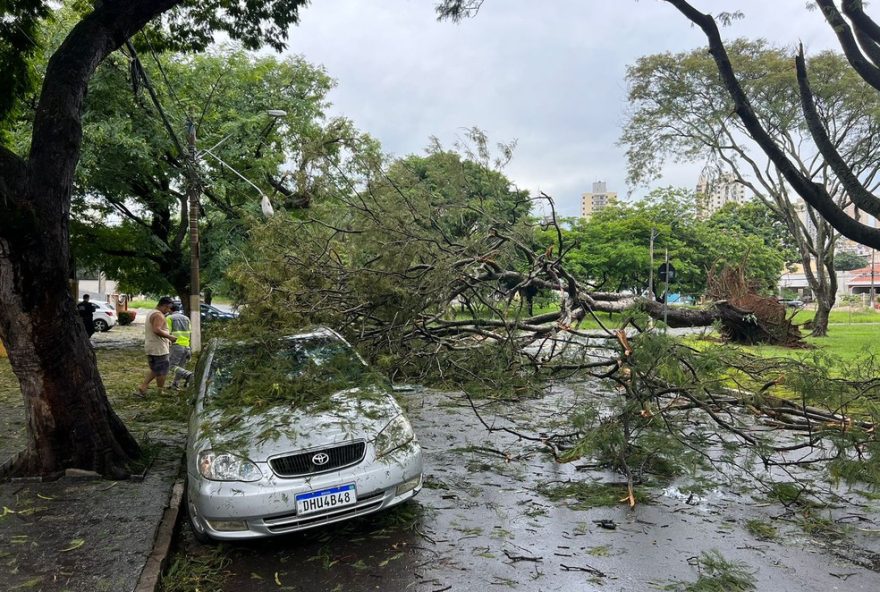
{"type": "Point", "coordinates": [193, 193]}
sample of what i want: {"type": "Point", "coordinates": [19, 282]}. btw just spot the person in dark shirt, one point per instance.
{"type": "Point", "coordinates": [86, 311]}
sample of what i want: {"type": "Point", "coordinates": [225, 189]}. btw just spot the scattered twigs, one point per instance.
{"type": "Point", "coordinates": [518, 558]}
{"type": "Point", "coordinates": [545, 440]}
{"type": "Point", "coordinates": [585, 568]}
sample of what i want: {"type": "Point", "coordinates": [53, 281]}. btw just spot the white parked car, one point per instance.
{"type": "Point", "coordinates": [104, 316]}
{"type": "Point", "coordinates": [293, 433]}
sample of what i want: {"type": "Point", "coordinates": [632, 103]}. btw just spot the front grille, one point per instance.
{"type": "Point", "coordinates": [299, 465]}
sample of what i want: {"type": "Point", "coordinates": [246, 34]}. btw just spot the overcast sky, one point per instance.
{"type": "Point", "coordinates": [552, 78]}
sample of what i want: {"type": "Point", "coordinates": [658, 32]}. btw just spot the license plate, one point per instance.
{"type": "Point", "coordinates": [325, 499]}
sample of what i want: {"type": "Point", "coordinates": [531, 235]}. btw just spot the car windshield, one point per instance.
{"type": "Point", "coordinates": [295, 371]}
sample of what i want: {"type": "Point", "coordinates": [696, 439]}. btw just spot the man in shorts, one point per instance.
{"type": "Point", "coordinates": [157, 344]}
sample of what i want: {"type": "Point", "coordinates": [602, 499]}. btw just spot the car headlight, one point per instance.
{"type": "Point", "coordinates": [397, 433]}
{"type": "Point", "coordinates": [222, 466]}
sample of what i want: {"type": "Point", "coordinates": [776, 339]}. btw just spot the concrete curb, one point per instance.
{"type": "Point", "coordinates": [152, 572]}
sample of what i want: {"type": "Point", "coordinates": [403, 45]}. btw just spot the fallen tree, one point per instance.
{"type": "Point", "coordinates": [429, 304]}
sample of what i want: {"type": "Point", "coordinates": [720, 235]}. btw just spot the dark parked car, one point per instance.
{"type": "Point", "coordinates": [212, 313]}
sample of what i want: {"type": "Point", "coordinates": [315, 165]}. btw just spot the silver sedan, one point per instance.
{"type": "Point", "coordinates": [293, 433]}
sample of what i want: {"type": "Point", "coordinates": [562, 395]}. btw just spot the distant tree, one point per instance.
{"type": "Point", "coordinates": [755, 219]}
{"type": "Point", "coordinates": [682, 111]}
{"type": "Point", "coordinates": [611, 249]}
{"type": "Point", "coordinates": [847, 261]}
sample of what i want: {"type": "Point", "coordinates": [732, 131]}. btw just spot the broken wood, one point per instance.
{"type": "Point", "coordinates": [585, 568]}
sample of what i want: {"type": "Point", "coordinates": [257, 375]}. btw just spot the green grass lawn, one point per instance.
{"type": "Point", "coordinates": [847, 342]}
{"type": "Point", "coordinates": [841, 316]}
{"type": "Point", "coordinates": [142, 304]}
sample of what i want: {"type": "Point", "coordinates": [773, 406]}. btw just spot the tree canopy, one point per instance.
{"type": "Point", "coordinates": [70, 422]}
{"type": "Point", "coordinates": [611, 249]}
{"type": "Point", "coordinates": [129, 208]}
{"type": "Point", "coordinates": [682, 111]}
{"type": "Point", "coordinates": [847, 261]}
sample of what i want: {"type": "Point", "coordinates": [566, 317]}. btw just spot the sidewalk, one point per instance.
{"type": "Point", "coordinates": [79, 533]}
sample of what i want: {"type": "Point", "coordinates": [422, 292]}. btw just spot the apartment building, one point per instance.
{"type": "Point", "coordinates": [597, 199]}
{"type": "Point", "coordinates": [714, 192]}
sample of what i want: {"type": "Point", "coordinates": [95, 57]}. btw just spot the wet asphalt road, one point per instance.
{"type": "Point", "coordinates": [480, 525]}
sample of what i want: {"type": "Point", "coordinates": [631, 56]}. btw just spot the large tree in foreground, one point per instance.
{"type": "Point", "coordinates": [859, 36]}
{"type": "Point", "coordinates": [69, 420]}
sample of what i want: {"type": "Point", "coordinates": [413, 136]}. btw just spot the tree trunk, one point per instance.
{"type": "Point", "coordinates": [69, 420]}
{"type": "Point", "coordinates": [820, 321]}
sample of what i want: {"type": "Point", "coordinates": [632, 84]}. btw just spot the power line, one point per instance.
{"type": "Point", "coordinates": [164, 75]}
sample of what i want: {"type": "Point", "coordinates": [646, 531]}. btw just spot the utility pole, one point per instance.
{"type": "Point", "coordinates": [651, 267]}
{"type": "Point", "coordinates": [666, 291]}
{"type": "Point", "coordinates": [193, 190]}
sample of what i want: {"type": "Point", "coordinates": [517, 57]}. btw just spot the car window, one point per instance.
{"type": "Point", "coordinates": [299, 371]}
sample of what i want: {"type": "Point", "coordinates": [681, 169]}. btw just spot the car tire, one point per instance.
{"type": "Point", "coordinates": [102, 326]}
{"type": "Point", "coordinates": [198, 532]}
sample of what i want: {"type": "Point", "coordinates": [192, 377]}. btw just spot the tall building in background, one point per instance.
{"type": "Point", "coordinates": [714, 192]}
{"type": "Point", "coordinates": [850, 246]}
{"type": "Point", "coordinates": [597, 199]}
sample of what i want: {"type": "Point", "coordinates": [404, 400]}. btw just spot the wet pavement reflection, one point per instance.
{"type": "Point", "coordinates": [481, 524]}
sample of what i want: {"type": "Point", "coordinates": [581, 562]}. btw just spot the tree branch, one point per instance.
{"type": "Point", "coordinates": [813, 193]}
{"type": "Point", "coordinates": [857, 192]}
{"type": "Point", "coordinates": [57, 130]}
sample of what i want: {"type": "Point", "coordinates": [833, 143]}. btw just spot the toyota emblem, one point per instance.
{"type": "Point", "coordinates": [322, 458]}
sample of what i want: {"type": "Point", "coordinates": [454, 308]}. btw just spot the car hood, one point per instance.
{"type": "Point", "coordinates": [358, 413]}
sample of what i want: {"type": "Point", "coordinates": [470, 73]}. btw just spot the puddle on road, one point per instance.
{"type": "Point", "coordinates": [481, 524]}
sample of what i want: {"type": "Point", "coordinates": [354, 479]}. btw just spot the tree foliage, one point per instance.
{"type": "Point", "coordinates": [682, 111]}
{"type": "Point", "coordinates": [388, 250]}
{"type": "Point", "coordinates": [755, 219]}
{"type": "Point", "coordinates": [70, 421]}
{"type": "Point", "coordinates": [612, 249]}
{"type": "Point", "coordinates": [130, 209]}
{"type": "Point", "coordinates": [847, 261]}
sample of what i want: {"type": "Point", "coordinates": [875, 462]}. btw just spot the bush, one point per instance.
{"type": "Point", "coordinates": [126, 317]}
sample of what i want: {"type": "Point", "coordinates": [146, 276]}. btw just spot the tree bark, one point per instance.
{"type": "Point", "coordinates": [820, 321]}
{"type": "Point", "coordinates": [69, 420]}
